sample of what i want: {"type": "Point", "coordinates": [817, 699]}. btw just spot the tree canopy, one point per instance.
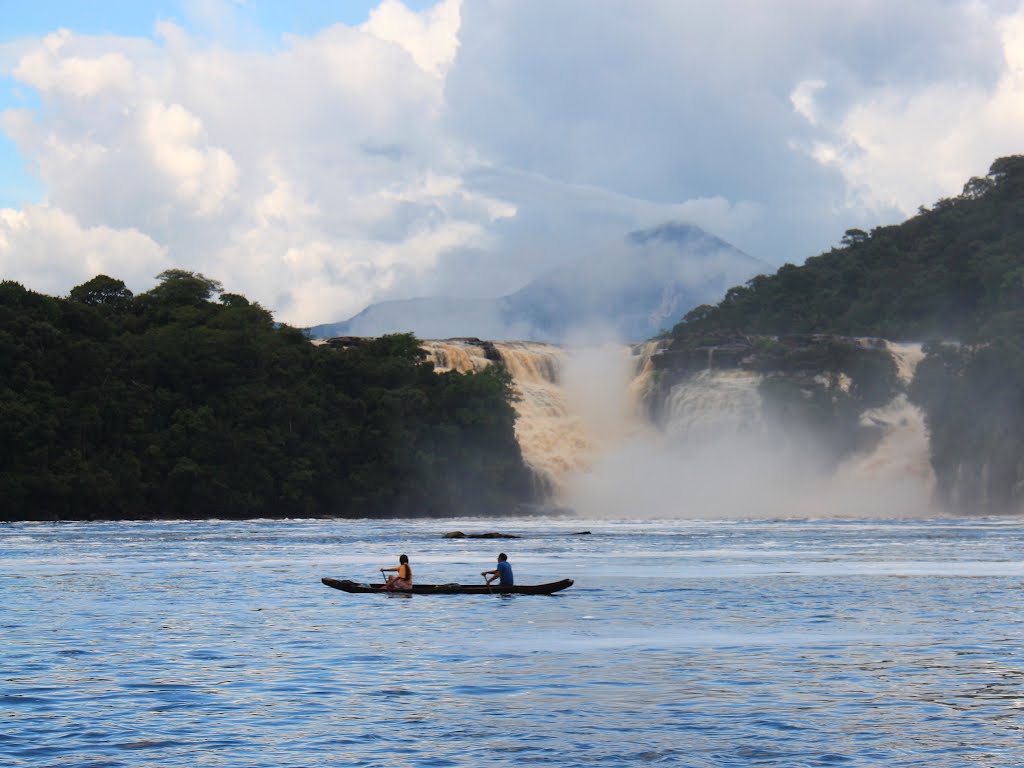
{"type": "Point", "coordinates": [171, 404]}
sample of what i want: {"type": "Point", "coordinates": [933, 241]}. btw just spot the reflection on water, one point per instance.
{"type": "Point", "coordinates": [682, 643]}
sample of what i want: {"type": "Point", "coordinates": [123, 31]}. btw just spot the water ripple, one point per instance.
{"type": "Point", "coordinates": [209, 643]}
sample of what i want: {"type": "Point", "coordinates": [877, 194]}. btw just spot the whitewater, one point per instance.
{"type": "Point", "coordinates": [585, 427]}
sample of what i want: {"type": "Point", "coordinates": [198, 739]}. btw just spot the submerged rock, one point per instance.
{"type": "Point", "coordinates": [461, 535]}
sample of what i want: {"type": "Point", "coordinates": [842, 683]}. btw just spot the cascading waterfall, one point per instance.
{"type": "Point", "coordinates": [462, 357]}
{"type": "Point", "coordinates": [906, 357]}
{"type": "Point", "coordinates": [902, 455]}
{"type": "Point", "coordinates": [714, 441]}
{"type": "Point", "coordinates": [713, 403]}
{"type": "Point", "coordinates": [553, 437]}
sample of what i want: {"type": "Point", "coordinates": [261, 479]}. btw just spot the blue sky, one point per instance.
{"type": "Point", "coordinates": [136, 17]}
{"type": "Point", "coordinates": [320, 156]}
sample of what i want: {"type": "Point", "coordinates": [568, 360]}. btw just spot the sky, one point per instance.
{"type": "Point", "coordinates": [318, 156]}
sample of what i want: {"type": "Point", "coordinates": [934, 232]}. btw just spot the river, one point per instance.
{"type": "Point", "coordinates": [682, 643]}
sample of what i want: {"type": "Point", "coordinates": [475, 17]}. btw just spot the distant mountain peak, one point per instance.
{"type": "Point", "coordinates": [631, 292]}
{"type": "Point", "coordinates": [669, 232]}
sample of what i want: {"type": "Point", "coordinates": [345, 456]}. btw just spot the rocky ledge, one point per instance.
{"type": "Point", "coordinates": [790, 353]}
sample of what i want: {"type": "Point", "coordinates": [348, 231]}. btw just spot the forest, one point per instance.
{"type": "Point", "coordinates": [189, 402]}
{"type": "Point", "coordinates": [951, 277]}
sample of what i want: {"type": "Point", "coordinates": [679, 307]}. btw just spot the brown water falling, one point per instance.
{"type": "Point", "coordinates": [902, 455]}
{"type": "Point", "coordinates": [552, 435]}
{"type": "Point", "coordinates": [580, 429]}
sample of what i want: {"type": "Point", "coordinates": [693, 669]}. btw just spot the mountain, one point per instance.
{"type": "Point", "coordinates": [435, 317]}
{"type": "Point", "coordinates": [629, 292]}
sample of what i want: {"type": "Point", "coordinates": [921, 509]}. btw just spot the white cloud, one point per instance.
{"type": "Point", "coordinates": [803, 101]}
{"type": "Point", "coordinates": [204, 176]}
{"type": "Point", "coordinates": [49, 251]}
{"type": "Point", "coordinates": [902, 145]}
{"type": "Point", "coordinates": [48, 69]}
{"type": "Point", "coordinates": [282, 204]}
{"type": "Point", "coordinates": [467, 147]}
{"type": "Point", "coordinates": [310, 177]}
{"type": "Point", "coordinates": [431, 38]}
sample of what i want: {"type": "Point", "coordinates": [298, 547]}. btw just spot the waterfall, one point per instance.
{"type": "Point", "coordinates": [713, 403]}
{"type": "Point", "coordinates": [902, 451]}
{"type": "Point", "coordinates": [581, 427]}
{"type": "Point", "coordinates": [717, 455]}
{"type": "Point", "coordinates": [901, 457]}
{"type": "Point", "coordinates": [906, 357]}
{"type": "Point", "coordinates": [552, 435]}
{"type": "Point", "coordinates": [463, 357]}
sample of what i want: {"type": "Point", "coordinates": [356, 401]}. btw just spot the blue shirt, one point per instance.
{"type": "Point", "coordinates": [505, 574]}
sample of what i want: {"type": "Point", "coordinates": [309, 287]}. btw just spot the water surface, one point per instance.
{"type": "Point", "coordinates": [683, 643]}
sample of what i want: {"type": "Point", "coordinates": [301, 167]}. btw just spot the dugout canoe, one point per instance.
{"type": "Point", "coordinates": [346, 585]}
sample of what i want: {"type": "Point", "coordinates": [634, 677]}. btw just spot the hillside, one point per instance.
{"type": "Point", "coordinates": [954, 271]}
{"type": "Point", "coordinates": [952, 276]}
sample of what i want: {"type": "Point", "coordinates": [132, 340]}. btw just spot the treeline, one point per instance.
{"type": "Point", "coordinates": [172, 404]}
{"type": "Point", "coordinates": [952, 276]}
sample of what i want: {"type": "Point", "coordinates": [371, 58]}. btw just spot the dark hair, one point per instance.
{"type": "Point", "coordinates": [503, 556]}
{"type": "Point", "coordinates": [403, 559]}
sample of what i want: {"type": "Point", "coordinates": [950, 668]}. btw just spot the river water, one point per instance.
{"type": "Point", "coordinates": [686, 643]}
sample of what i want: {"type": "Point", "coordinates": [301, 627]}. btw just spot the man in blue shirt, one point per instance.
{"type": "Point", "coordinates": [503, 572]}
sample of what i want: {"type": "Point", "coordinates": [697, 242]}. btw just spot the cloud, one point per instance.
{"type": "Point", "coordinates": [431, 37]}
{"type": "Point", "coordinates": [202, 176]}
{"type": "Point", "coordinates": [466, 148]}
{"type": "Point", "coordinates": [48, 70]}
{"type": "Point", "coordinates": [684, 101]}
{"type": "Point", "coordinates": [49, 251]}
{"type": "Point", "coordinates": [257, 168]}
{"type": "Point", "coordinates": [803, 100]}
{"type": "Point", "coordinates": [902, 146]}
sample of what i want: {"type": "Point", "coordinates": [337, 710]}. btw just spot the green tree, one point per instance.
{"type": "Point", "coordinates": [179, 406]}
{"type": "Point", "coordinates": [102, 291]}
{"type": "Point", "coordinates": [854, 236]}
{"type": "Point", "coordinates": [179, 286]}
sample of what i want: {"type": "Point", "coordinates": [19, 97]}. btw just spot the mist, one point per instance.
{"type": "Point", "coordinates": [583, 428]}
{"type": "Point", "coordinates": [717, 457]}
{"type": "Point", "coordinates": [628, 288]}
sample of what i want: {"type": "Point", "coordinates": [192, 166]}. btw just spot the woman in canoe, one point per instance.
{"type": "Point", "coordinates": [403, 576]}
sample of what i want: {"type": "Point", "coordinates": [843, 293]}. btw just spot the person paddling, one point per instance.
{"type": "Point", "coordinates": [503, 573]}
{"type": "Point", "coordinates": [403, 578]}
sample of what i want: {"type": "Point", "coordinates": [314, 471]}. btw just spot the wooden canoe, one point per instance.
{"type": "Point", "coordinates": [345, 585]}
